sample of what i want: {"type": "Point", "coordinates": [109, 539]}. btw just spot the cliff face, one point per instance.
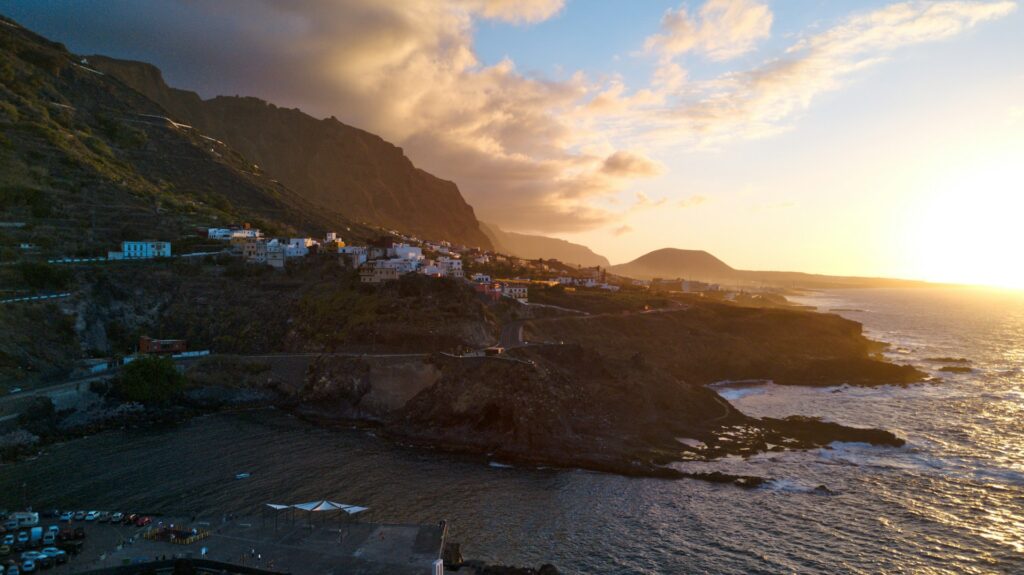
{"type": "Point", "coordinates": [533, 247]}
{"type": "Point", "coordinates": [334, 165]}
{"type": "Point", "coordinates": [711, 342]}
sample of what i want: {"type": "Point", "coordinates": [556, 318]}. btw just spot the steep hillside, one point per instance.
{"type": "Point", "coordinates": [334, 165]}
{"type": "Point", "coordinates": [533, 247]}
{"type": "Point", "coordinates": [86, 162]}
{"type": "Point", "coordinates": [676, 263]}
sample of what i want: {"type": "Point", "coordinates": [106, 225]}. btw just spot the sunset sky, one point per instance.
{"type": "Point", "coordinates": [834, 136]}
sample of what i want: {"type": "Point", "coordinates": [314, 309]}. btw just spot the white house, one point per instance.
{"type": "Point", "coordinates": [275, 254]}
{"type": "Point", "coordinates": [518, 292]}
{"type": "Point", "coordinates": [218, 233]}
{"type": "Point", "coordinates": [565, 280]}
{"type": "Point", "coordinates": [246, 233]}
{"type": "Point", "coordinates": [481, 278]}
{"type": "Point", "coordinates": [141, 250]}
{"type": "Point", "coordinates": [451, 266]}
{"type": "Point", "coordinates": [330, 237]}
{"type": "Point", "coordinates": [298, 247]}
{"type": "Point", "coordinates": [406, 252]}
{"type": "Point", "coordinates": [609, 287]}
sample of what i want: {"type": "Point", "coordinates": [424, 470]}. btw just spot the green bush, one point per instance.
{"type": "Point", "coordinates": [150, 379]}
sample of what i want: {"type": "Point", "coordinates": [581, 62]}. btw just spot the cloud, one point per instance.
{"type": "Point", "coordinates": [625, 164]}
{"type": "Point", "coordinates": [723, 29]}
{"type": "Point", "coordinates": [756, 102]}
{"type": "Point", "coordinates": [621, 230]}
{"type": "Point", "coordinates": [692, 201]}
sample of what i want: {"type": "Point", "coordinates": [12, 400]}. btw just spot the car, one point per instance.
{"type": "Point", "coordinates": [143, 521]}
{"type": "Point", "coordinates": [79, 515]}
{"type": "Point", "coordinates": [103, 516]}
{"type": "Point", "coordinates": [92, 515]}
{"type": "Point", "coordinates": [13, 570]}
{"type": "Point", "coordinates": [9, 539]}
{"type": "Point", "coordinates": [117, 517]}
{"type": "Point", "coordinates": [33, 555]}
{"type": "Point", "coordinates": [15, 390]}
{"type": "Point", "coordinates": [23, 538]}
{"type": "Point", "coordinates": [57, 555]}
{"type": "Point", "coordinates": [5, 550]}
{"type": "Point", "coordinates": [67, 516]}
{"type": "Point", "coordinates": [130, 519]}
{"type": "Point", "coordinates": [28, 566]}
{"type": "Point", "coordinates": [43, 561]}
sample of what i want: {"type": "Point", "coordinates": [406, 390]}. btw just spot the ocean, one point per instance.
{"type": "Point", "coordinates": [950, 501]}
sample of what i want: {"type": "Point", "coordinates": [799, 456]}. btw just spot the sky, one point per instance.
{"type": "Point", "coordinates": [854, 137]}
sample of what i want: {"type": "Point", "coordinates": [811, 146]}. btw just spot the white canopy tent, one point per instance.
{"type": "Point", "coordinates": [312, 507]}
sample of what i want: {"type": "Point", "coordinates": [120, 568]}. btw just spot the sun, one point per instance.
{"type": "Point", "coordinates": [969, 227]}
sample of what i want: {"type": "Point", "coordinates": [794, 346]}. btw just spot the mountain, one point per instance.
{"type": "Point", "coordinates": [334, 165]}
{"type": "Point", "coordinates": [671, 263]}
{"type": "Point", "coordinates": [676, 263]}
{"type": "Point", "coordinates": [86, 161]}
{"type": "Point", "coordinates": [533, 247]}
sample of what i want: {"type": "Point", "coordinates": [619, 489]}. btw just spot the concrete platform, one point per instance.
{"type": "Point", "coordinates": [333, 548]}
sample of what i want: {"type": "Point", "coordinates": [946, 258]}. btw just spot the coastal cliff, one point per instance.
{"type": "Point", "coordinates": [705, 342]}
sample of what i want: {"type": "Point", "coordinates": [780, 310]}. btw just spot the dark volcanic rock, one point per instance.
{"type": "Point", "coordinates": [814, 432]}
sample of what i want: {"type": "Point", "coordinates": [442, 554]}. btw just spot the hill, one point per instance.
{"type": "Point", "coordinates": [86, 161]}
{"type": "Point", "coordinates": [533, 247]}
{"type": "Point", "coordinates": [331, 164]}
{"type": "Point", "coordinates": [671, 263]}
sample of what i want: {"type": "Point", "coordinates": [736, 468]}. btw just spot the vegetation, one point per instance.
{"type": "Point", "coordinates": [150, 379]}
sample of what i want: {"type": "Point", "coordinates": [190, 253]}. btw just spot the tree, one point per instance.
{"type": "Point", "coordinates": [150, 379]}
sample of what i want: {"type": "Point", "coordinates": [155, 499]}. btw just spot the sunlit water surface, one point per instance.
{"type": "Point", "coordinates": [951, 501]}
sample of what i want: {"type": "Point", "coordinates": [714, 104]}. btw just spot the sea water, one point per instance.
{"type": "Point", "coordinates": [950, 501]}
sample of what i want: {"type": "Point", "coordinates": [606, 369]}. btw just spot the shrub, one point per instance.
{"type": "Point", "coordinates": [150, 379]}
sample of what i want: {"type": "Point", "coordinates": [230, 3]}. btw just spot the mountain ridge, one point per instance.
{"type": "Point", "coordinates": [533, 247]}
{"type": "Point", "coordinates": [337, 166]}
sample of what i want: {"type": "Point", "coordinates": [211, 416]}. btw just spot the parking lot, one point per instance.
{"type": "Point", "coordinates": [86, 544]}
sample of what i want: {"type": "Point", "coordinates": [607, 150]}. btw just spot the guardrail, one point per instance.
{"type": "Point", "coordinates": [36, 298]}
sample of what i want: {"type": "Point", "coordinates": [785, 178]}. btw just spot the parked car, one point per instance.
{"type": "Point", "coordinates": [58, 556]}
{"type": "Point", "coordinates": [92, 515]}
{"type": "Point", "coordinates": [13, 570]}
{"type": "Point", "coordinates": [5, 550]}
{"type": "Point", "coordinates": [143, 521]}
{"type": "Point", "coordinates": [23, 538]}
{"type": "Point", "coordinates": [28, 566]}
{"type": "Point", "coordinates": [9, 539]}
{"type": "Point", "coordinates": [103, 516]}
{"type": "Point", "coordinates": [130, 519]}
{"type": "Point", "coordinates": [67, 516]}
{"type": "Point", "coordinates": [43, 561]}
{"type": "Point", "coordinates": [79, 515]}
{"type": "Point", "coordinates": [117, 517]}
